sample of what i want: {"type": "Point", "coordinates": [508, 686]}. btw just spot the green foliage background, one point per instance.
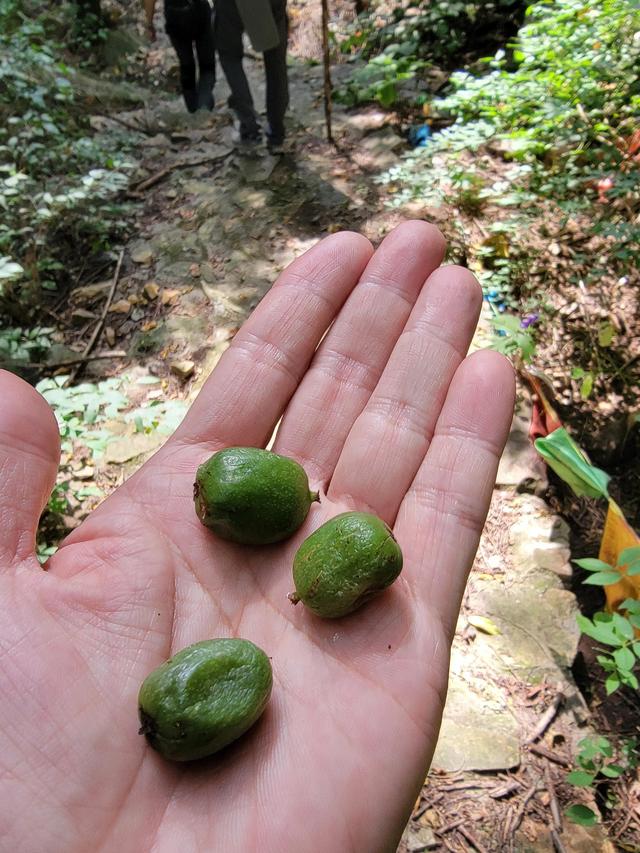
{"type": "Point", "coordinates": [58, 181]}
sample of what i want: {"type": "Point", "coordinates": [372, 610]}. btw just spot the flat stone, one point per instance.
{"type": "Point", "coordinates": [79, 316]}
{"type": "Point", "coordinates": [118, 44]}
{"type": "Point", "coordinates": [108, 93]}
{"type": "Point", "coordinates": [130, 447]}
{"type": "Point", "coordinates": [574, 838]}
{"type": "Point", "coordinates": [418, 838]}
{"type": "Point", "coordinates": [520, 465]}
{"type": "Point", "coordinates": [478, 732]}
{"type": "Point", "coordinates": [122, 306]}
{"type": "Point", "coordinates": [255, 170]}
{"type": "Point", "coordinates": [540, 539]}
{"type": "Point", "coordinates": [182, 369]}
{"type": "Point", "coordinates": [142, 254]}
{"type": "Point", "coordinates": [151, 290]}
{"type": "Point", "coordinates": [90, 292]}
{"type": "Point", "coordinates": [158, 141]}
{"type": "Point", "coordinates": [537, 620]}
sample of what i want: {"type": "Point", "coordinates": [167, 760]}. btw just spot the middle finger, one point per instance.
{"type": "Point", "coordinates": [351, 358]}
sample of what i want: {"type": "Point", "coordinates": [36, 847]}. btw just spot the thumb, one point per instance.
{"type": "Point", "coordinates": [29, 455]}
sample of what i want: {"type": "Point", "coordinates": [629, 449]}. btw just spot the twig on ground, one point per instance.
{"type": "Point", "coordinates": [515, 820]}
{"type": "Point", "coordinates": [100, 324]}
{"type": "Point", "coordinates": [558, 846]}
{"type": "Point", "coordinates": [471, 839]}
{"type": "Point", "coordinates": [69, 362]}
{"type": "Point", "coordinates": [138, 189]}
{"type": "Point", "coordinates": [136, 128]}
{"type": "Point", "coordinates": [538, 749]}
{"type": "Point", "coordinates": [546, 719]}
{"type": "Point", "coordinates": [553, 800]}
{"type": "Point", "coordinates": [448, 827]}
{"type": "Point", "coordinates": [504, 790]}
{"type": "Point", "coordinates": [463, 786]}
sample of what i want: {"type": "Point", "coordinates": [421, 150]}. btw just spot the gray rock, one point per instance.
{"type": "Point", "coordinates": [141, 253]}
{"type": "Point", "coordinates": [478, 732]}
{"type": "Point", "coordinates": [118, 44]}
{"type": "Point", "coordinates": [182, 369]}
{"type": "Point", "coordinates": [140, 444]}
{"type": "Point", "coordinates": [521, 466]}
{"type": "Point", "coordinates": [540, 539]}
{"type": "Point", "coordinates": [108, 93]}
{"type": "Point", "coordinates": [574, 838]}
{"type": "Point", "coordinates": [418, 838]}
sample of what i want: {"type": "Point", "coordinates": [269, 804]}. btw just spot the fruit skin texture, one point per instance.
{"type": "Point", "coordinates": [252, 496]}
{"type": "Point", "coordinates": [204, 697]}
{"type": "Point", "coordinates": [345, 563]}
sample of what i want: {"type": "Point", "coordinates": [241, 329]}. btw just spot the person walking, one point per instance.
{"type": "Point", "coordinates": [265, 22]}
{"type": "Point", "coordinates": [189, 25]}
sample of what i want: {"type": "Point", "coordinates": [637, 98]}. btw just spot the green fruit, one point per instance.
{"type": "Point", "coordinates": [252, 496]}
{"type": "Point", "coordinates": [204, 697]}
{"type": "Point", "coordinates": [345, 563]}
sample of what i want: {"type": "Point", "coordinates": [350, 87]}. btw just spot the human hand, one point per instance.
{"type": "Point", "coordinates": [387, 416]}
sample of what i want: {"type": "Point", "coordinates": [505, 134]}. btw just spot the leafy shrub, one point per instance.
{"type": "Point", "coordinates": [437, 30]}
{"type": "Point", "coordinates": [566, 116]}
{"type": "Point", "coordinates": [380, 79]}
{"type": "Point", "coordinates": [58, 184]}
{"type": "Point", "coordinates": [596, 762]}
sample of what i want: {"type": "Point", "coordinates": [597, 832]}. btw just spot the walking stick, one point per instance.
{"type": "Point", "coordinates": [327, 68]}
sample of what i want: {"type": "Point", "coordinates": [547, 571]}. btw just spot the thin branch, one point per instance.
{"type": "Point", "coordinates": [69, 362]}
{"type": "Point", "coordinates": [471, 839]}
{"type": "Point", "coordinates": [549, 755]}
{"type": "Point", "coordinates": [546, 719]}
{"type": "Point", "coordinates": [553, 800]}
{"type": "Point", "coordinates": [138, 189]}
{"type": "Point", "coordinates": [136, 128]}
{"type": "Point", "coordinates": [100, 324]}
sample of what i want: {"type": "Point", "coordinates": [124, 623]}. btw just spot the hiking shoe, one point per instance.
{"type": "Point", "coordinates": [276, 147]}
{"type": "Point", "coordinates": [248, 143]}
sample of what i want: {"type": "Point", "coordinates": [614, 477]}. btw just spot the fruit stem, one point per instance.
{"type": "Point", "coordinates": [293, 597]}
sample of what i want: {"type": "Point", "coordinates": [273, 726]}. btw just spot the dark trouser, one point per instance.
{"type": "Point", "coordinates": [228, 34]}
{"type": "Point", "coordinates": [188, 26]}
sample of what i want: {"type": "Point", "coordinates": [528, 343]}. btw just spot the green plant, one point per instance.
{"type": "Point", "coordinates": [596, 761]}
{"type": "Point", "coordinates": [562, 111]}
{"type": "Point", "coordinates": [86, 414]}
{"type": "Point", "coordinates": [380, 79]}
{"type": "Point", "coordinates": [616, 630]}
{"type": "Point", "coordinates": [511, 338]}
{"type": "Point", "coordinates": [59, 183]}
{"type": "Point", "coordinates": [18, 344]}
{"type": "Point", "coordinates": [438, 30]}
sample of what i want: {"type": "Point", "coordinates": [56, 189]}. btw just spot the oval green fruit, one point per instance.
{"type": "Point", "coordinates": [252, 496]}
{"type": "Point", "coordinates": [345, 563]}
{"type": "Point", "coordinates": [204, 697]}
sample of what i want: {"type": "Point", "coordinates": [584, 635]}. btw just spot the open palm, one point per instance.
{"type": "Point", "coordinates": [386, 415]}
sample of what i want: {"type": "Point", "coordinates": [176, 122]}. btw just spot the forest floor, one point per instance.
{"type": "Point", "coordinates": [211, 231]}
